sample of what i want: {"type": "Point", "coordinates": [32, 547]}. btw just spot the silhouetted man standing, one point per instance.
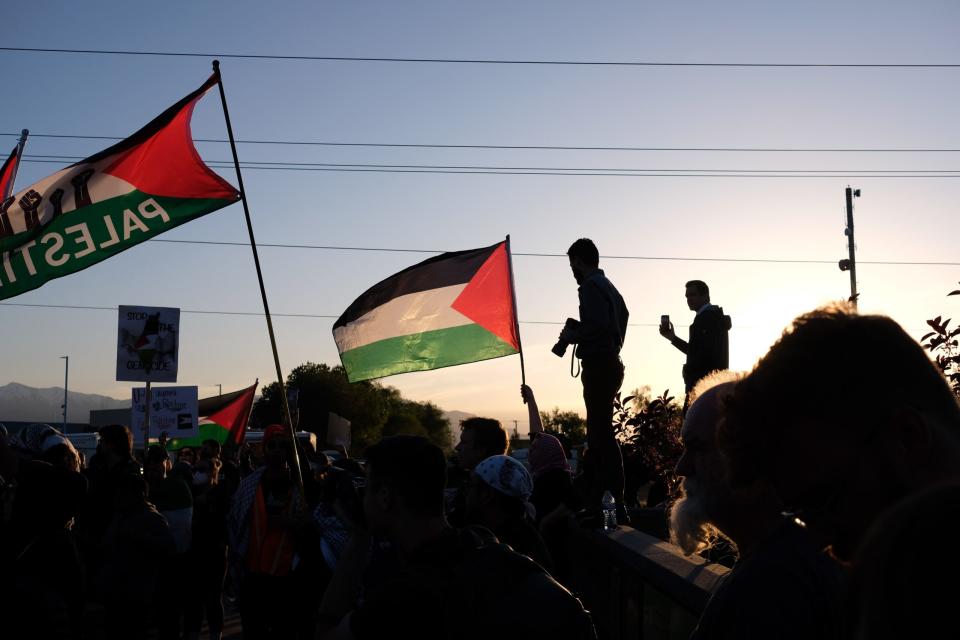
{"type": "Point", "coordinates": [708, 348]}
{"type": "Point", "coordinates": [599, 337]}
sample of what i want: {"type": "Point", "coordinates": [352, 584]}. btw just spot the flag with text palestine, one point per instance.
{"type": "Point", "coordinates": [140, 187]}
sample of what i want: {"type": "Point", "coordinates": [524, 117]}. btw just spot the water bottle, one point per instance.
{"type": "Point", "coordinates": [609, 511]}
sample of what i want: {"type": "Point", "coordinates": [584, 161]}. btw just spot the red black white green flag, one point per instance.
{"type": "Point", "coordinates": [7, 173]}
{"type": "Point", "coordinates": [223, 418]}
{"type": "Point", "coordinates": [140, 187]}
{"type": "Point", "coordinates": [451, 309]}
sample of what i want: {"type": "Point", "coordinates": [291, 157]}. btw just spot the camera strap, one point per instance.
{"type": "Point", "coordinates": [574, 359]}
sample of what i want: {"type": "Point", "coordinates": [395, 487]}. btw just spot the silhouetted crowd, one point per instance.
{"type": "Point", "coordinates": [127, 546]}
{"type": "Point", "coordinates": [827, 468]}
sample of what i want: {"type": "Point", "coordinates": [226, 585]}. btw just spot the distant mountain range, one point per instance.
{"type": "Point", "coordinates": [20, 403]}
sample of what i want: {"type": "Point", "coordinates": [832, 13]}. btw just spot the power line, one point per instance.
{"type": "Point", "coordinates": [550, 255]}
{"type": "Point", "coordinates": [620, 173]}
{"type": "Point", "coordinates": [194, 311]}
{"type": "Point", "coordinates": [244, 313]}
{"type": "Point", "coordinates": [250, 164]}
{"type": "Point", "coordinates": [532, 147]}
{"type": "Point", "coordinates": [584, 63]}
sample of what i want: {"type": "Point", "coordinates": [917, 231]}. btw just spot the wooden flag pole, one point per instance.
{"type": "Point", "coordinates": [516, 315]}
{"type": "Point", "coordinates": [146, 419]}
{"type": "Point", "coordinates": [263, 291]}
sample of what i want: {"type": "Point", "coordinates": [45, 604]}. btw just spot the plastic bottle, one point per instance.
{"type": "Point", "coordinates": [609, 511]}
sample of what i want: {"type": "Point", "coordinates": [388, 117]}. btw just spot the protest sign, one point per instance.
{"type": "Point", "coordinates": [172, 410]}
{"type": "Point", "coordinates": [147, 343]}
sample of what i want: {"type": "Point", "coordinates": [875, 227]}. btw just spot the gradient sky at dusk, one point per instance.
{"type": "Point", "coordinates": [898, 219]}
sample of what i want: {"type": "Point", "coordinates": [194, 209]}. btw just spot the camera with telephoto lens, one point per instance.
{"type": "Point", "coordinates": [561, 347]}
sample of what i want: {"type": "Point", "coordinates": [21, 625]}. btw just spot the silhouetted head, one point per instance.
{"type": "Point", "coordinates": [406, 477]}
{"type": "Point", "coordinates": [277, 446]}
{"type": "Point", "coordinates": [499, 490]}
{"type": "Point", "coordinates": [130, 492]}
{"type": "Point", "coordinates": [697, 294]}
{"type": "Point", "coordinates": [116, 442]}
{"type": "Point", "coordinates": [206, 472]}
{"type": "Point", "coordinates": [46, 443]}
{"type": "Point", "coordinates": [706, 500]}
{"type": "Point", "coordinates": [209, 449]}
{"type": "Point", "coordinates": [156, 464]}
{"type": "Point", "coordinates": [547, 454]}
{"type": "Point", "coordinates": [584, 258]}
{"type": "Point", "coordinates": [480, 438]}
{"type": "Point", "coordinates": [845, 415]}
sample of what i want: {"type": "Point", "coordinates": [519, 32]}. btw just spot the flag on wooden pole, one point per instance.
{"type": "Point", "coordinates": [140, 187]}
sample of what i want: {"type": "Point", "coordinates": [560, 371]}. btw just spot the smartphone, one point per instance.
{"type": "Point", "coordinates": [665, 321]}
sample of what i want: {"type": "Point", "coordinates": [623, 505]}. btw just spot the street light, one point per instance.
{"type": "Point", "coordinates": [66, 373]}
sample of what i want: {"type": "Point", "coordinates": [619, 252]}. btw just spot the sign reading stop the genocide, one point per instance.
{"type": "Point", "coordinates": [147, 343]}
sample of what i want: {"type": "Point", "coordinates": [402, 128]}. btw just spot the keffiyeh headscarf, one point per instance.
{"type": "Point", "coordinates": [37, 438]}
{"type": "Point", "coordinates": [508, 476]}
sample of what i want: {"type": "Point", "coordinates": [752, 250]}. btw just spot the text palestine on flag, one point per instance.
{"type": "Point", "coordinates": [140, 187]}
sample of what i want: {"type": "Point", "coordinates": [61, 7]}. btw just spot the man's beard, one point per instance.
{"type": "Point", "coordinates": [690, 527]}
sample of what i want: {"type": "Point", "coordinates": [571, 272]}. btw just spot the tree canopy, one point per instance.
{"type": "Point", "coordinates": [374, 410]}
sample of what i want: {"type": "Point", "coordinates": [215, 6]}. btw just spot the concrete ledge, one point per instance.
{"type": "Point", "coordinates": [637, 586]}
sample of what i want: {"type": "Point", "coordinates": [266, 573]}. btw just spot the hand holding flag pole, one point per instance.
{"type": "Point", "coordinates": [263, 291]}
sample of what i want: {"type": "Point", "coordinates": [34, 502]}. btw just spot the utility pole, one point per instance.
{"type": "Point", "coordinates": [850, 263]}
{"type": "Point", "coordinates": [66, 373]}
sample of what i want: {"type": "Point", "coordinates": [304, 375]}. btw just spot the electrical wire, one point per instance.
{"type": "Point", "coordinates": [483, 61]}
{"type": "Point", "coordinates": [532, 147]}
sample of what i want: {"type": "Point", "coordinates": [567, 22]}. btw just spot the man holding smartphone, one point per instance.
{"type": "Point", "coordinates": [708, 348]}
{"type": "Point", "coordinates": [599, 337]}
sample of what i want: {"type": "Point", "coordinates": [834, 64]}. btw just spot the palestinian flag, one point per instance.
{"type": "Point", "coordinates": [451, 309]}
{"type": "Point", "coordinates": [147, 184]}
{"type": "Point", "coordinates": [146, 344]}
{"type": "Point", "coordinates": [222, 418]}
{"type": "Point", "coordinates": [7, 173]}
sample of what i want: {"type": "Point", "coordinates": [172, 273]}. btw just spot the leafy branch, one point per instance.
{"type": "Point", "coordinates": [943, 344]}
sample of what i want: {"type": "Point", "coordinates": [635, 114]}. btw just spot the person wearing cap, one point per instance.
{"type": "Point", "coordinates": [263, 527]}
{"type": "Point", "coordinates": [498, 498]}
{"type": "Point", "coordinates": [445, 582]}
